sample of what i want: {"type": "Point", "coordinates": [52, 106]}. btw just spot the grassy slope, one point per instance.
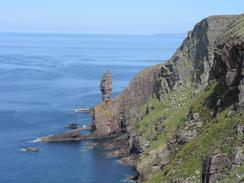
{"type": "Point", "coordinates": [214, 136]}
{"type": "Point", "coordinates": [169, 115]}
{"type": "Point", "coordinates": [172, 115]}
{"type": "Point", "coordinates": [218, 134]}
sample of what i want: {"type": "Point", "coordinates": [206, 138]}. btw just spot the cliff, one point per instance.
{"type": "Point", "coordinates": [184, 118]}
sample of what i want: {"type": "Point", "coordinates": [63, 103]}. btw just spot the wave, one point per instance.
{"type": "Point", "coordinates": [36, 140]}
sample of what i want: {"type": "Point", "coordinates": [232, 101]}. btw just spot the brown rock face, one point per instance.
{"type": "Point", "coordinates": [112, 116]}
{"type": "Point", "coordinates": [106, 86]}
{"type": "Point", "coordinates": [215, 168]}
{"type": "Point", "coordinates": [229, 68]}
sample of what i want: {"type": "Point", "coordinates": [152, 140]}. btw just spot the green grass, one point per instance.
{"type": "Point", "coordinates": [210, 93]}
{"type": "Point", "coordinates": [236, 175]}
{"type": "Point", "coordinates": [187, 162]}
{"type": "Point", "coordinates": [156, 178]}
{"type": "Point", "coordinates": [172, 117]}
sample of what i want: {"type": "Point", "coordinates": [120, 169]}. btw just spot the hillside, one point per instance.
{"type": "Point", "coordinates": [182, 121]}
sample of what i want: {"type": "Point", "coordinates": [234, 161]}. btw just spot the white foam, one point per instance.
{"type": "Point", "coordinates": [126, 180]}
{"type": "Point", "coordinates": [23, 149]}
{"type": "Point", "coordinates": [36, 140]}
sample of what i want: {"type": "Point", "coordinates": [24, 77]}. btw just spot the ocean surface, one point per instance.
{"type": "Point", "coordinates": [42, 78]}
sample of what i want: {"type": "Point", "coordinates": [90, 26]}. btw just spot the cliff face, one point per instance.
{"type": "Point", "coordinates": [188, 110]}
{"type": "Point", "coordinates": [228, 62]}
{"type": "Point", "coordinates": [111, 116]}
{"type": "Point", "coordinates": [191, 61]}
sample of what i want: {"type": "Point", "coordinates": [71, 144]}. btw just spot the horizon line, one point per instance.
{"type": "Point", "coordinates": [102, 34]}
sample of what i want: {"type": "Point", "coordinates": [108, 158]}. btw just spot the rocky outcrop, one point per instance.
{"type": "Point", "coordinates": [213, 51]}
{"type": "Point", "coordinates": [192, 60]}
{"type": "Point", "coordinates": [65, 136]}
{"type": "Point", "coordinates": [219, 166]}
{"type": "Point", "coordinates": [153, 162]}
{"type": "Point", "coordinates": [112, 116]}
{"type": "Point", "coordinates": [106, 86]}
{"type": "Point", "coordinates": [228, 63]}
{"type": "Point", "coordinates": [215, 168]}
{"type": "Point", "coordinates": [198, 47]}
{"type": "Point", "coordinates": [191, 126]}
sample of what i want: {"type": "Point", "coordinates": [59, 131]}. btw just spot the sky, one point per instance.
{"type": "Point", "coordinates": [110, 16]}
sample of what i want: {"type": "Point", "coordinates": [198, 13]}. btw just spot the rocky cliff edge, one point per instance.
{"type": "Point", "coordinates": [184, 119]}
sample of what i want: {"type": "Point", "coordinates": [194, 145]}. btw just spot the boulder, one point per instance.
{"type": "Point", "coordinates": [215, 168]}
{"type": "Point", "coordinates": [231, 78]}
{"type": "Point", "coordinates": [186, 135]}
{"type": "Point", "coordinates": [240, 129]}
{"type": "Point", "coordinates": [239, 156]}
{"type": "Point", "coordinates": [195, 116]}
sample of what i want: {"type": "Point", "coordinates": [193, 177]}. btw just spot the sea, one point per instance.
{"type": "Point", "coordinates": [42, 78]}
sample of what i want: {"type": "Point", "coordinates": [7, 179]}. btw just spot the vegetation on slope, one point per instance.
{"type": "Point", "coordinates": [165, 116]}
{"type": "Point", "coordinates": [217, 135]}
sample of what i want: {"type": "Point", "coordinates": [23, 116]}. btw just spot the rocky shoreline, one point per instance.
{"type": "Point", "coordinates": [182, 121]}
{"type": "Point", "coordinates": [202, 80]}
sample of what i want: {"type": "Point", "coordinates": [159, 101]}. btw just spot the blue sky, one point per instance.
{"type": "Point", "coordinates": [110, 16]}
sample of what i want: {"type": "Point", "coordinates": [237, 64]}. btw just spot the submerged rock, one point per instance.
{"type": "Point", "coordinates": [106, 86]}
{"type": "Point", "coordinates": [72, 126]}
{"type": "Point", "coordinates": [31, 149]}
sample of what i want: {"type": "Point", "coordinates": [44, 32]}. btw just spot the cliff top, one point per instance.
{"type": "Point", "coordinates": [236, 30]}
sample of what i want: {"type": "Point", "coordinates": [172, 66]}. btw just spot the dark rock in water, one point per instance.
{"type": "Point", "coordinates": [31, 149]}
{"type": "Point", "coordinates": [72, 126]}
{"type": "Point", "coordinates": [65, 136]}
{"type": "Point", "coordinates": [106, 86]}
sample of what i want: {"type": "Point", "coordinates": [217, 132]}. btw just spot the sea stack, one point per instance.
{"type": "Point", "coordinates": [106, 86]}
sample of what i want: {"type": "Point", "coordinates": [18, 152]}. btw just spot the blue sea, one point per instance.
{"type": "Point", "coordinates": [42, 78]}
